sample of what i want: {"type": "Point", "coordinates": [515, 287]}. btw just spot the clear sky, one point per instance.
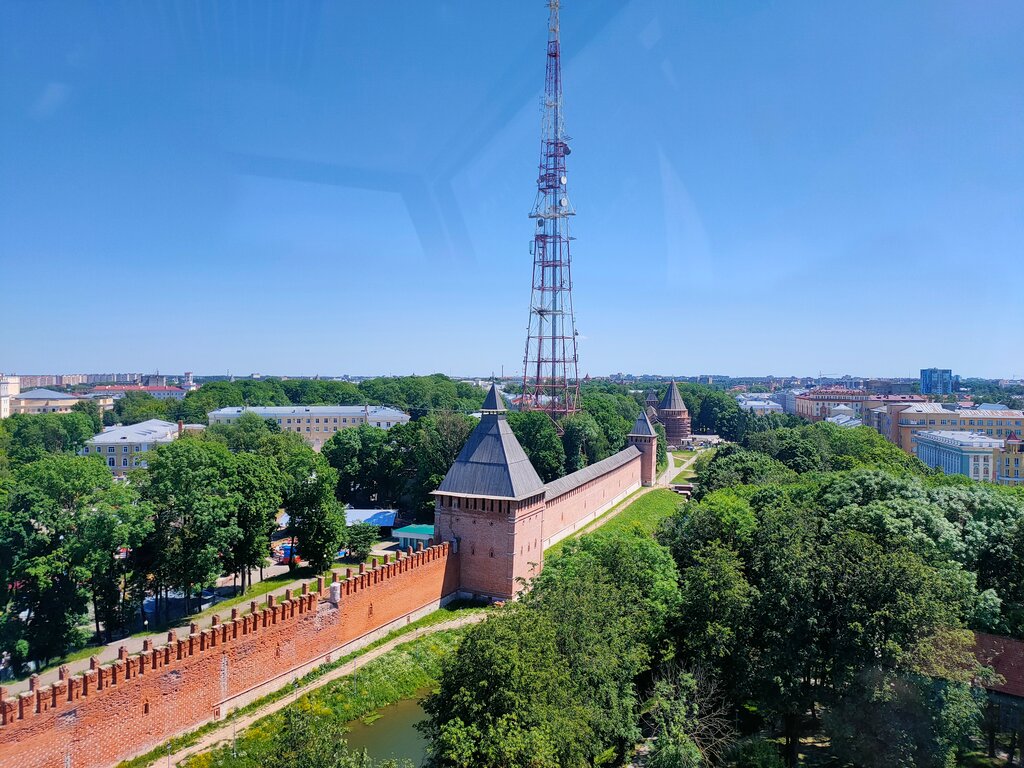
{"type": "Point", "coordinates": [341, 187]}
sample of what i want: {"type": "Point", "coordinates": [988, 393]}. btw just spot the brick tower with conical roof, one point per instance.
{"type": "Point", "coordinates": [673, 415]}
{"type": "Point", "coordinates": [491, 504]}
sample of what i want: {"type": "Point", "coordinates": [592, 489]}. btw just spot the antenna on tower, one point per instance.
{"type": "Point", "coordinates": [550, 363]}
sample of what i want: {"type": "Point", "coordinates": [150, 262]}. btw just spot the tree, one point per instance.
{"type": "Point", "coordinates": [583, 441]}
{"type": "Point", "coordinates": [189, 484]}
{"type": "Point", "coordinates": [360, 538]}
{"type": "Point", "coordinates": [258, 485]}
{"type": "Point", "coordinates": [316, 520]}
{"type": "Point", "coordinates": [44, 538]}
{"type": "Point", "coordinates": [368, 466]}
{"type": "Point", "coordinates": [91, 409]}
{"type": "Point", "coordinates": [134, 407]}
{"type": "Point", "coordinates": [536, 433]}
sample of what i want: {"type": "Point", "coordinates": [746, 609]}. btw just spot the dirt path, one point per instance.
{"type": "Point", "coordinates": [231, 728]}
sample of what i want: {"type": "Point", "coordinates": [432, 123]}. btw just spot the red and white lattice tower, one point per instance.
{"type": "Point", "coordinates": [550, 376]}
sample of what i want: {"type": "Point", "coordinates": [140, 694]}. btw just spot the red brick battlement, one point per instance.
{"type": "Point", "coordinates": [113, 711]}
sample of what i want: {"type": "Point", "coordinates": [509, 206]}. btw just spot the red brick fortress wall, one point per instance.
{"type": "Point", "coordinates": [570, 510]}
{"type": "Point", "coordinates": [115, 711]}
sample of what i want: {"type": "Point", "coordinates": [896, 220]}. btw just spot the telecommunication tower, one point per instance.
{"type": "Point", "coordinates": [550, 373]}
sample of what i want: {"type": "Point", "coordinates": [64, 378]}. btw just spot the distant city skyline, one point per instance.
{"type": "Point", "coordinates": [326, 188]}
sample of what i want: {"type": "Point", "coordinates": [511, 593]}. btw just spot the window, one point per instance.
{"type": "Point", "coordinates": [110, 461]}
{"type": "Point", "coordinates": [110, 449]}
{"type": "Point", "coordinates": [124, 462]}
{"type": "Point", "coordinates": [335, 419]}
{"type": "Point", "coordinates": [318, 421]}
{"type": "Point", "coordinates": [85, 449]}
{"type": "Point", "coordinates": [124, 449]}
{"type": "Point", "coordinates": [289, 421]}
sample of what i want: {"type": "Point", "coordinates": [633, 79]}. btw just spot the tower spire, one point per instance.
{"type": "Point", "coordinates": [550, 372]}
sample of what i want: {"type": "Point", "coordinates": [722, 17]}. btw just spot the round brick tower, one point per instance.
{"type": "Point", "coordinates": [673, 415]}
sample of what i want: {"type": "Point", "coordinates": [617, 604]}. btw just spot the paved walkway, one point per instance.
{"type": "Point", "coordinates": [232, 728]}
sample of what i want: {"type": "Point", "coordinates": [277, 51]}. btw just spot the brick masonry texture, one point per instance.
{"type": "Point", "coordinates": [118, 710]}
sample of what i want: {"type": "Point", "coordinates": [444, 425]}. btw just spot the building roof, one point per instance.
{"type": "Point", "coordinates": [1006, 656]}
{"type": "Point", "coordinates": [990, 407]}
{"type": "Point", "coordinates": [134, 388]}
{"type": "Point", "coordinates": [960, 439]}
{"type": "Point", "coordinates": [967, 413]}
{"type": "Point", "coordinates": [642, 426]}
{"type": "Point", "coordinates": [375, 411]}
{"type": "Point", "coordinates": [414, 530]}
{"type": "Point", "coordinates": [492, 464]}
{"type": "Point", "coordinates": [672, 401]}
{"type": "Point", "coordinates": [384, 518]}
{"type": "Point", "coordinates": [563, 485]}
{"type": "Point", "coordinates": [151, 431]}
{"type": "Point", "coordinates": [45, 394]}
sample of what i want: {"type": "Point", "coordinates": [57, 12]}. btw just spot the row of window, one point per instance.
{"type": "Point", "coordinates": [112, 462]}
{"type": "Point", "coordinates": [124, 448]}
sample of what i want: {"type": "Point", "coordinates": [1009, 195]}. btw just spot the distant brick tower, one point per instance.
{"type": "Point", "coordinates": [673, 415]}
{"type": "Point", "coordinates": [645, 439]}
{"type": "Point", "coordinates": [491, 504]}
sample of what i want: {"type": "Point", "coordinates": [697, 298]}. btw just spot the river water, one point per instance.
{"type": "Point", "coordinates": [392, 735]}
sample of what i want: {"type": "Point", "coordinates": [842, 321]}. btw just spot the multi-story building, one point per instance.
{"type": "Point", "coordinates": [159, 392]}
{"type": "Point", "coordinates": [44, 401]}
{"type": "Point", "coordinates": [10, 387]}
{"type": "Point", "coordinates": [1008, 461]}
{"type": "Point", "coordinates": [959, 453]}
{"type": "Point", "coordinates": [843, 416]}
{"type": "Point", "coordinates": [936, 381]}
{"type": "Point", "coordinates": [35, 381]}
{"type": "Point", "coordinates": [316, 423]}
{"type": "Point", "coordinates": [787, 399]}
{"type": "Point", "coordinates": [817, 404]}
{"type": "Point", "coordinates": [902, 421]}
{"type": "Point", "coordinates": [122, 448]}
{"type": "Point", "coordinates": [758, 405]}
{"type": "Point", "coordinates": [71, 379]}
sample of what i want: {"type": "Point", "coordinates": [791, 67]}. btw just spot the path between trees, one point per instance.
{"type": "Point", "coordinates": [231, 728]}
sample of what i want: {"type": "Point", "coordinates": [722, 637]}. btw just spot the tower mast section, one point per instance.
{"type": "Point", "coordinates": [550, 362]}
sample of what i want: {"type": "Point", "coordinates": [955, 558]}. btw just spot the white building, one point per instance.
{"type": "Point", "coordinates": [759, 405]}
{"type": "Point", "coordinates": [121, 447]}
{"type": "Point", "coordinates": [10, 387]}
{"type": "Point", "coordinates": [316, 423]}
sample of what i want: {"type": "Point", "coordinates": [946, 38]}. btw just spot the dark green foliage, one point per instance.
{"type": "Point", "coordinates": [134, 407]}
{"type": "Point", "coordinates": [536, 432]}
{"type": "Point", "coordinates": [731, 466]}
{"type": "Point", "coordinates": [28, 437]}
{"type": "Point", "coordinates": [360, 539]}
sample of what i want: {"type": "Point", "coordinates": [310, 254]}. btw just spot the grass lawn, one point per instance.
{"type": "Point", "coordinates": [683, 455]}
{"type": "Point", "coordinates": [646, 513]}
{"type": "Point", "coordinates": [683, 476]}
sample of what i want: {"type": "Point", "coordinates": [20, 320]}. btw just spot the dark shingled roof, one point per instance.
{"type": "Point", "coordinates": [672, 401]}
{"type": "Point", "coordinates": [563, 485]}
{"type": "Point", "coordinates": [492, 463]}
{"type": "Point", "coordinates": [643, 427]}
{"type": "Point", "coordinates": [493, 400]}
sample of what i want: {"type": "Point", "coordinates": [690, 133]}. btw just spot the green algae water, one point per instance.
{"type": "Point", "coordinates": [393, 735]}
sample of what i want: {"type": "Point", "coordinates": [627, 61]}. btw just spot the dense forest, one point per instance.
{"type": "Point", "coordinates": [823, 584]}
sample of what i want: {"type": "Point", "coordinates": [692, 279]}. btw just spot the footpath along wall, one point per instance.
{"type": "Point", "coordinates": [115, 711]}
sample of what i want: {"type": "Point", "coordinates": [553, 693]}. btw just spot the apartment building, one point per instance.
{"type": "Point", "coordinates": [316, 423]}
{"type": "Point", "coordinates": [160, 392]}
{"type": "Point", "coordinates": [122, 448]}
{"type": "Point", "coordinates": [817, 404]}
{"type": "Point", "coordinates": [937, 381]}
{"type": "Point", "coordinates": [901, 421]}
{"type": "Point", "coordinates": [971, 454]}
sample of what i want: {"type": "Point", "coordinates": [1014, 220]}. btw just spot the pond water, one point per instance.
{"type": "Point", "coordinates": [392, 735]}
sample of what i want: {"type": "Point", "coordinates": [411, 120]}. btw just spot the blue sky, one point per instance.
{"type": "Point", "coordinates": [306, 187]}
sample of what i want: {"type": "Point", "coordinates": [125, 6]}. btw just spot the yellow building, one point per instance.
{"type": "Point", "coordinates": [905, 421]}
{"type": "Point", "coordinates": [37, 401]}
